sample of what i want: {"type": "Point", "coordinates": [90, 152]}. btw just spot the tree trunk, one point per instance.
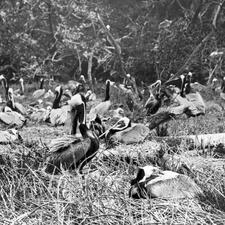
{"type": "Point", "coordinates": [118, 53]}
{"type": "Point", "coordinates": [89, 71]}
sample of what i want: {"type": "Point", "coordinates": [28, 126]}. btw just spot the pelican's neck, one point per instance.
{"type": "Point", "coordinates": [74, 121]}
{"type": "Point", "coordinates": [57, 99]}
{"type": "Point", "coordinates": [107, 91]}
{"type": "Point", "coordinates": [22, 87]}
{"type": "Point", "coordinates": [182, 85]}
{"type": "Point", "coordinates": [78, 116]}
{"type": "Point", "coordinates": [11, 102]}
{"type": "Point", "coordinates": [42, 84]}
{"type": "Point", "coordinates": [6, 87]}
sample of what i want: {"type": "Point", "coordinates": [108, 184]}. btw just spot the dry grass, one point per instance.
{"type": "Point", "coordinates": [28, 196]}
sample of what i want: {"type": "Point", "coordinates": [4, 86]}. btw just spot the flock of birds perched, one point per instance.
{"type": "Point", "coordinates": [70, 103]}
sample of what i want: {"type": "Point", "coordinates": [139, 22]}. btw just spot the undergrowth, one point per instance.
{"type": "Point", "coordinates": [29, 196]}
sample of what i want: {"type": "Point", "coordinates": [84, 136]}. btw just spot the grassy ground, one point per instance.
{"type": "Point", "coordinates": [28, 196]}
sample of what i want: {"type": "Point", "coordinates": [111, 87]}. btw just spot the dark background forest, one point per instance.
{"type": "Point", "coordinates": [155, 37]}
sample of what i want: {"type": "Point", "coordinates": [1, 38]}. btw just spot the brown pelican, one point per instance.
{"type": "Point", "coordinates": [20, 92]}
{"type": "Point", "coordinates": [71, 152]}
{"type": "Point", "coordinates": [59, 114]}
{"type": "Point", "coordinates": [5, 86]}
{"type": "Point", "coordinates": [15, 106]}
{"type": "Point", "coordinates": [40, 92]}
{"type": "Point", "coordinates": [104, 106]}
{"type": "Point", "coordinates": [154, 102]}
{"type": "Point", "coordinates": [151, 182]}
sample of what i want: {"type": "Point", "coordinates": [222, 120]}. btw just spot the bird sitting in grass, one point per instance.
{"type": "Point", "coordinates": [102, 107]}
{"type": "Point", "coordinates": [71, 152]}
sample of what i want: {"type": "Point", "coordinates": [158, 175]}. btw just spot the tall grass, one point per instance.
{"type": "Point", "coordinates": [29, 196]}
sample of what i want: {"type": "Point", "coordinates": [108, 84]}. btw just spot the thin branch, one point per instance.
{"type": "Point", "coordinates": [205, 39]}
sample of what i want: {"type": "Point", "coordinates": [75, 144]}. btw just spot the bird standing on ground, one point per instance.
{"type": "Point", "coordinates": [70, 152]}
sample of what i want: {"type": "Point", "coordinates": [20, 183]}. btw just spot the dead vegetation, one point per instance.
{"type": "Point", "coordinates": [29, 196]}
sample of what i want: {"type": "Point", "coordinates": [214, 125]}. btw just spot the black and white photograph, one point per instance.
{"type": "Point", "coordinates": [112, 112]}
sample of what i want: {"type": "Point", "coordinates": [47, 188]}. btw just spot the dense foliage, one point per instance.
{"type": "Point", "coordinates": [156, 37]}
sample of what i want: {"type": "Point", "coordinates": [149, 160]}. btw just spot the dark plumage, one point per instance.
{"type": "Point", "coordinates": [97, 126]}
{"type": "Point", "coordinates": [223, 85]}
{"type": "Point", "coordinates": [179, 83]}
{"type": "Point", "coordinates": [58, 95]}
{"type": "Point", "coordinates": [104, 106]}
{"type": "Point", "coordinates": [15, 106]}
{"type": "Point", "coordinates": [40, 92]}
{"type": "Point", "coordinates": [71, 152]}
{"type": "Point", "coordinates": [5, 86]}
{"type": "Point", "coordinates": [154, 102]}
{"type": "Point", "coordinates": [187, 86]}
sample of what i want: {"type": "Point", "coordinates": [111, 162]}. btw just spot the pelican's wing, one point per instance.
{"type": "Point", "coordinates": [67, 152]}
{"type": "Point", "coordinates": [8, 136]}
{"type": "Point", "coordinates": [38, 93]}
{"type": "Point", "coordinates": [20, 108]}
{"type": "Point", "coordinates": [7, 118]}
{"type": "Point", "coordinates": [59, 116]}
{"type": "Point", "coordinates": [76, 151]}
{"type": "Point", "coordinates": [12, 118]}
{"type": "Point", "coordinates": [62, 143]}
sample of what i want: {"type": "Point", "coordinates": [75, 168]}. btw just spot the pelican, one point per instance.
{"type": "Point", "coordinates": [58, 115]}
{"type": "Point", "coordinates": [104, 106]}
{"type": "Point", "coordinates": [15, 106]}
{"type": "Point", "coordinates": [151, 182]}
{"type": "Point", "coordinates": [71, 152]}
{"type": "Point", "coordinates": [5, 86]}
{"type": "Point", "coordinates": [154, 102]}
{"type": "Point", "coordinates": [20, 92]}
{"type": "Point", "coordinates": [40, 92]}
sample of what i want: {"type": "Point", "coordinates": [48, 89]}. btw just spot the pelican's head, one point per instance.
{"type": "Point", "coordinates": [2, 77]}
{"type": "Point", "coordinates": [128, 75]}
{"type": "Point", "coordinates": [76, 100]}
{"type": "Point", "coordinates": [21, 80]}
{"type": "Point", "coordinates": [145, 172]}
{"type": "Point", "coordinates": [214, 80]}
{"type": "Point", "coordinates": [158, 83]}
{"type": "Point", "coordinates": [77, 111]}
{"type": "Point", "coordinates": [108, 27]}
{"type": "Point", "coordinates": [58, 89]}
{"type": "Point", "coordinates": [7, 109]}
{"type": "Point", "coordinates": [40, 101]}
{"type": "Point", "coordinates": [182, 77]}
{"type": "Point", "coordinates": [190, 74]}
{"type": "Point", "coordinates": [109, 82]}
{"type": "Point", "coordinates": [88, 93]}
{"type": "Point", "coordinates": [82, 78]}
{"type": "Point", "coordinates": [49, 108]}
